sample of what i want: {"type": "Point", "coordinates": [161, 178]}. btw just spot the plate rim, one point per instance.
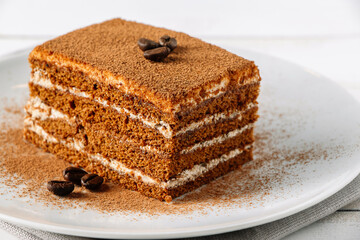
{"type": "Point", "coordinates": [188, 231]}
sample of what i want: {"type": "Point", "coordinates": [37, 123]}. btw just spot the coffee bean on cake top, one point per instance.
{"type": "Point", "coordinates": [146, 44]}
{"type": "Point", "coordinates": [168, 41]}
{"type": "Point", "coordinates": [157, 51]}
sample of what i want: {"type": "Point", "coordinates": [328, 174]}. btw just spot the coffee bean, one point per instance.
{"type": "Point", "coordinates": [169, 42]}
{"type": "Point", "coordinates": [91, 181]}
{"type": "Point", "coordinates": [60, 188]}
{"type": "Point", "coordinates": [146, 44]}
{"type": "Point", "coordinates": [164, 39]}
{"type": "Point", "coordinates": [74, 174]}
{"type": "Point", "coordinates": [157, 54]}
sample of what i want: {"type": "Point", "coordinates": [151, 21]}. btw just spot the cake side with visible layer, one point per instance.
{"type": "Point", "coordinates": [164, 130]}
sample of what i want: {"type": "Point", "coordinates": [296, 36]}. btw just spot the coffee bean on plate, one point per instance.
{"type": "Point", "coordinates": [74, 174]}
{"type": "Point", "coordinates": [60, 188]}
{"type": "Point", "coordinates": [147, 44]}
{"type": "Point", "coordinates": [92, 181]}
{"type": "Point", "coordinates": [157, 54]}
{"type": "Point", "coordinates": [168, 41]}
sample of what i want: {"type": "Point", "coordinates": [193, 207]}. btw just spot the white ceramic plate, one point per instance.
{"type": "Point", "coordinates": [313, 111]}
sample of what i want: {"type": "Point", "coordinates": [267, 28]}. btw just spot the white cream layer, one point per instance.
{"type": "Point", "coordinates": [39, 78]}
{"type": "Point", "coordinates": [218, 139]}
{"type": "Point", "coordinates": [213, 92]}
{"type": "Point", "coordinates": [184, 177]}
{"type": "Point", "coordinates": [214, 119]}
{"type": "Point", "coordinates": [40, 110]}
{"type": "Point", "coordinates": [71, 143]}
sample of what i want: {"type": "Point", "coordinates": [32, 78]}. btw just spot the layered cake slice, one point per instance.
{"type": "Point", "coordinates": [162, 128]}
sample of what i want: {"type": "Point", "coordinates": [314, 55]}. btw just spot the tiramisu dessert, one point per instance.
{"type": "Point", "coordinates": [161, 122]}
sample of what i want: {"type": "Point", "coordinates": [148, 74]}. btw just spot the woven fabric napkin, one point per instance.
{"type": "Point", "coordinates": [269, 231]}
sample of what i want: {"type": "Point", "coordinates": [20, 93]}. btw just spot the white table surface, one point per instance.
{"type": "Point", "coordinates": [323, 36]}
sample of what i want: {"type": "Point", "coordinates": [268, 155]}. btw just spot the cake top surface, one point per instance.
{"type": "Point", "coordinates": [111, 46]}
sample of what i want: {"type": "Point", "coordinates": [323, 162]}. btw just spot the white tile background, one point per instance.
{"type": "Point", "coordinates": [323, 36]}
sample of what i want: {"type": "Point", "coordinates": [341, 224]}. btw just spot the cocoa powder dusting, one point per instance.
{"type": "Point", "coordinates": [25, 169]}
